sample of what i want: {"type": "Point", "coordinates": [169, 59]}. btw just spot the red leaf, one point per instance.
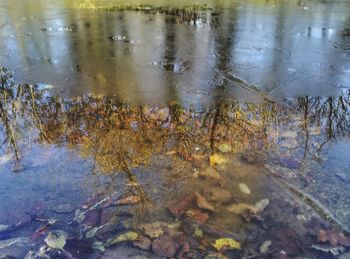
{"type": "Point", "coordinates": [197, 215]}
{"type": "Point", "coordinates": [333, 237]}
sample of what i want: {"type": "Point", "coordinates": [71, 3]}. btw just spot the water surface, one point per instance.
{"type": "Point", "coordinates": [114, 116]}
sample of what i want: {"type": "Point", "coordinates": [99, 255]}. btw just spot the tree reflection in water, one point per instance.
{"type": "Point", "coordinates": [121, 136]}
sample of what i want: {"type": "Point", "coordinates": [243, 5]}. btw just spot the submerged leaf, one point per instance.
{"type": "Point", "coordinates": [203, 203]}
{"type": "Point", "coordinates": [261, 205]}
{"type": "Point", "coordinates": [244, 188]}
{"type": "Point", "coordinates": [197, 215]}
{"type": "Point", "coordinates": [56, 239]}
{"type": "Point", "coordinates": [98, 246]}
{"type": "Point", "coordinates": [156, 229]}
{"type": "Point", "coordinates": [133, 199]}
{"type": "Point", "coordinates": [180, 207]}
{"type": "Point", "coordinates": [226, 244]}
{"type": "Point", "coordinates": [333, 237]}
{"type": "Point", "coordinates": [239, 208]}
{"type": "Point", "coordinates": [128, 236]}
{"type": "Point", "coordinates": [216, 159]}
{"type": "Point", "coordinates": [209, 173]}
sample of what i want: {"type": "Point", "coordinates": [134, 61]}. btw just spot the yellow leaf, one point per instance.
{"type": "Point", "coordinates": [216, 159]}
{"type": "Point", "coordinates": [128, 236]}
{"type": "Point", "coordinates": [226, 244]}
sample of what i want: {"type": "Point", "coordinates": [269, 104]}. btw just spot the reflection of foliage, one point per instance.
{"type": "Point", "coordinates": [17, 102]}
{"type": "Point", "coordinates": [122, 137]}
{"type": "Point", "coordinates": [183, 13]}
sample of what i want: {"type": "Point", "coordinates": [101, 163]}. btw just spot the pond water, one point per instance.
{"type": "Point", "coordinates": [215, 130]}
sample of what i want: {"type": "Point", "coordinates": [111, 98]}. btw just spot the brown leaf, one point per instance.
{"type": "Point", "coordinates": [333, 237]}
{"type": "Point", "coordinates": [197, 215]}
{"type": "Point", "coordinates": [203, 203]}
{"type": "Point", "coordinates": [129, 200]}
{"type": "Point", "coordinates": [180, 207]}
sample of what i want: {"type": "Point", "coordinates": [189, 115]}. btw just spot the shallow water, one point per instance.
{"type": "Point", "coordinates": [236, 104]}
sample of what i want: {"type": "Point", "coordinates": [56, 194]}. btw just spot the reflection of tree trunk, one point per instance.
{"type": "Point", "coordinates": [224, 41]}
{"type": "Point", "coordinates": [306, 112]}
{"type": "Point", "coordinates": [213, 129]}
{"type": "Point", "coordinates": [9, 130]}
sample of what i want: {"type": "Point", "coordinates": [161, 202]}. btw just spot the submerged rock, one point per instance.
{"type": "Point", "coordinates": [143, 243]}
{"type": "Point", "coordinates": [165, 246]}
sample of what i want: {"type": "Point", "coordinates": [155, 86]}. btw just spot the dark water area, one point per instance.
{"type": "Point", "coordinates": [157, 130]}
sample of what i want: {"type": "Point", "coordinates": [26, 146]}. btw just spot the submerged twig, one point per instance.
{"type": "Point", "coordinates": [310, 201]}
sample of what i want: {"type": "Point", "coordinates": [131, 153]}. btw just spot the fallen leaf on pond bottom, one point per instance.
{"type": "Point", "coordinates": [265, 246]}
{"type": "Point", "coordinates": [209, 173]}
{"type": "Point", "coordinates": [261, 205]}
{"type": "Point", "coordinates": [98, 246]}
{"type": "Point", "coordinates": [128, 236]}
{"type": "Point", "coordinates": [249, 211]}
{"type": "Point", "coordinates": [333, 237]}
{"type": "Point", "coordinates": [92, 232]}
{"type": "Point", "coordinates": [226, 244]}
{"type": "Point", "coordinates": [218, 195]}
{"type": "Point", "coordinates": [197, 215]}
{"type": "Point", "coordinates": [165, 246]}
{"type": "Point", "coordinates": [202, 203]}
{"type": "Point", "coordinates": [56, 239]}
{"type": "Point", "coordinates": [156, 229]}
{"type": "Point", "coordinates": [179, 208]}
{"type": "Point", "coordinates": [130, 200]}
{"type": "Point", "coordinates": [239, 208]}
{"type": "Point", "coordinates": [244, 188]}
{"type": "Point", "coordinates": [216, 159]}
